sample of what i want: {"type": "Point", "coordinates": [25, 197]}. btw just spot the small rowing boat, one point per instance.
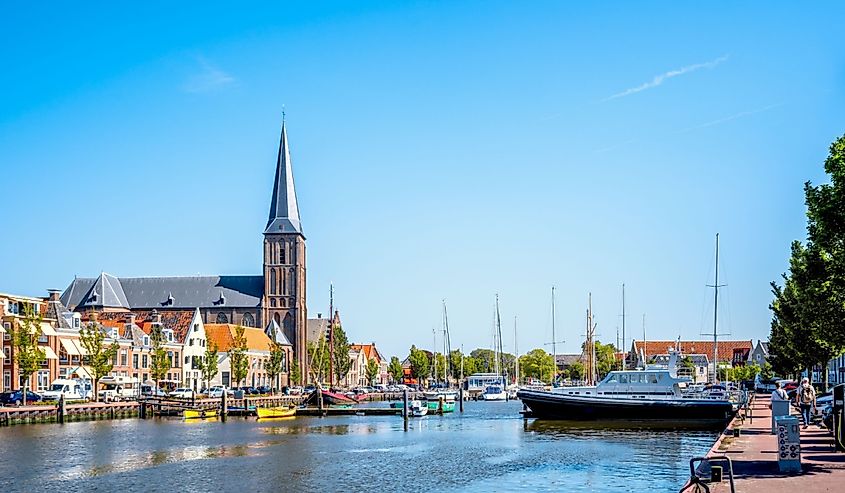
{"type": "Point", "coordinates": [199, 413]}
{"type": "Point", "coordinates": [276, 412]}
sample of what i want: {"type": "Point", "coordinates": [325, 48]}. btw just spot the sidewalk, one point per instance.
{"type": "Point", "coordinates": [754, 456]}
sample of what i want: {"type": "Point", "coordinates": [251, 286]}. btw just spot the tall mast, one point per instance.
{"type": "Point", "coordinates": [447, 344]}
{"type": "Point", "coordinates": [622, 349]}
{"type": "Point", "coordinates": [515, 351]}
{"type": "Point", "coordinates": [554, 341]}
{"type": "Point", "coordinates": [645, 345]}
{"type": "Point", "coordinates": [716, 287]}
{"type": "Point", "coordinates": [434, 352]}
{"type": "Point", "coordinates": [499, 361]}
{"type": "Point", "coordinates": [331, 334]}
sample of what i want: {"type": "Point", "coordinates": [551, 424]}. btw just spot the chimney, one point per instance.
{"type": "Point", "coordinates": [53, 294]}
{"type": "Point", "coordinates": [130, 319]}
{"type": "Point", "coordinates": [156, 317]}
{"type": "Point", "coordinates": [93, 316]}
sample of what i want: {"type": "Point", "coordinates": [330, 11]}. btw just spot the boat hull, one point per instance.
{"type": "Point", "coordinates": [199, 414]}
{"type": "Point", "coordinates": [275, 412]}
{"type": "Point", "coordinates": [448, 406]}
{"type": "Point", "coordinates": [702, 412]}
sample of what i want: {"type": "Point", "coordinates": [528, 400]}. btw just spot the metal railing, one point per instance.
{"type": "Point", "coordinates": [697, 484]}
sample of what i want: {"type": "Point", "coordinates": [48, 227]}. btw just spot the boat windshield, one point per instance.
{"type": "Point", "coordinates": [493, 389]}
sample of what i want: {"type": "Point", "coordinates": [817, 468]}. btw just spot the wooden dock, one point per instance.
{"type": "Point", "coordinates": [350, 411]}
{"type": "Point", "coordinates": [45, 413]}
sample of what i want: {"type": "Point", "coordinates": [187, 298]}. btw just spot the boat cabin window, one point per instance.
{"type": "Point", "coordinates": [652, 378]}
{"type": "Point", "coordinates": [611, 378]}
{"type": "Point", "coordinates": [623, 378]}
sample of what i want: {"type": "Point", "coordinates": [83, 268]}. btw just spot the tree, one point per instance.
{"type": "Point", "coordinates": [440, 366]}
{"type": "Point", "coordinates": [394, 368]}
{"type": "Point", "coordinates": [484, 360]}
{"type": "Point", "coordinates": [420, 364]}
{"type": "Point", "coordinates": [276, 362]}
{"type": "Point", "coordinates": [100, 358]}
{"type": "Point", "coordinates": [577, 370]}
{"type": "Point", "coordinates": [295, 372]}
{"type": "Point", "coordinates": [372, 370]}
{"type": "Point", "coordinates": [807, 311]}
{"type": "Point", "coordinates": [209, 365]}
{"type": "Point", "coordinates": [29, 356]}
{"type": "Point", "coordinates": [536, 363]}
{"type": "Point", "coordinates": [686, 362]}
{"type": "Point", "coordinates": [318, 360]}
{"type": "Point", "coordinates": [341, 363]}
{"type": "Point", "coordinates": [470, 366]}
{"type": "Point", "coordinates": [159, 360]}
{"type": "Point", "coordinates": [238, 357]}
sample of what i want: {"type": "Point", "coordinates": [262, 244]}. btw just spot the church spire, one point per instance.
{"type": "Point", "coordinates": [284, 211]}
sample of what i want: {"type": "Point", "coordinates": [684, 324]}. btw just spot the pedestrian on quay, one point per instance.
{"type": "Point", "coordinates": [806, 400]}
{"type": "Point", "coordinates": [779, 394]}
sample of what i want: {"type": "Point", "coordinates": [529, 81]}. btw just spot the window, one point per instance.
{"type": "Point", "coordinates": [7, 379]}
{"type": "Point", "coordinates": [43, 379]}
{"type": "Point", "coordinates": [7, 351]}
{"type": "Point", "coordinates": [146, 340]}
{"type": "Point", "coordinates": [225, 378]}
{"type": "Point", "coordinates": [75, 322]}
{"type": "Point", "coordinates": [187, 358]}
{"type": "Point", "coordinates": [196, 327]}
{"type": "Point", "coordinates": [272, 281]}
{"type": "Point", "coordinates": [623, 378]}
{"type": "Point", "coordinates": [144, 361]}
{"type": "Point", "coordinates": [191, 342]}
{"type": "Point", "coordinates": [222, 318]}
{"type": "Point", "coordinates": [124, 357]}
{"type": "Point", "coordinates": [249, 320]}
{"type": "Point", "coordinates": [135, 361]}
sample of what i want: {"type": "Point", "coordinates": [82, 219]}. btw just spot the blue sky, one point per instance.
{"type": "Point", "coordinates": [442, 150]}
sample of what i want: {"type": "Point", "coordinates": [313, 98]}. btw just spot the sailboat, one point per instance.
{"type": "Point", "coordinates": [444, 394]}
{"type": "Point", "coordinates": [496, 391]}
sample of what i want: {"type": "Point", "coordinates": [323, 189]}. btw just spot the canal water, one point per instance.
{"type": "Point", "coordinates": [488, 448]}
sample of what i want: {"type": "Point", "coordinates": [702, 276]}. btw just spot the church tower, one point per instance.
{"type": "Point", "coordinates": [284, 259]}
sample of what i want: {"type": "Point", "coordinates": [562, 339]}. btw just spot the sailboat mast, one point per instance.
{"type": "Point", "coordinates": [515, 351]}
{"type": "Point", "coordinates": [554, 341]}
{"type": "Point", "coordinates": [434, 352]}
{"type": "Point", "coordinates": [331, 334]}
{"type": "Point", "coordinates": [622, 349]}
{"type": "Point", "coordinates": [500, 363]}
{"type": "Point", "coordinates": [715, 316]}
{"type": "Point", "coordinates": [447, 344]}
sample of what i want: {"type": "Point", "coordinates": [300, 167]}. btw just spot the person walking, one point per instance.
{"type": "Point", "coordinates": [806, 400]}
{"type": "Point", "coordinates": [779, 394]}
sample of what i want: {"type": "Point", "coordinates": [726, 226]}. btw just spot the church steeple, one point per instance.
{"type": "Point", "coordinates": [284, 211]}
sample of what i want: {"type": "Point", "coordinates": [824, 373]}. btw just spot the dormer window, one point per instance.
{"type": "Point", "coordinates": [76, 321]}
{"type": "Point", "coordinates": [114, 333]}
{"type": "Point", "coordinates": [146, 340]}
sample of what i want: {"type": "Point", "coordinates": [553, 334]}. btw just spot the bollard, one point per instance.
{"type": "Point", "coordinates": [461, 397]}
{"type": "Point", "coordinates": [320, 399]}
{"type": "Point", "coordinates": [440, 405]}
{"type": "Point", "coordinates": [223, 408]}
{"type": "Point", "coordinates": [405, 407]}
{"type": "Point", "coordinates": [60, 411]}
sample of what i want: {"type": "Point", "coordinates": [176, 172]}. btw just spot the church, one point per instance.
{"type": "Point", "coordinates": [274, 300]}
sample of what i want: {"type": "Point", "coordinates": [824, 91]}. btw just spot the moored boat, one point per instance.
{"type": "Point", "coordinates": [276, 412]}
{"type": "Point", "coordinates": [494, 392]}
{"type": "Point", "coordinates": [418, 409]}
{"type": "Point", "coordinates": [199, 413]}
{"type": "Point", "coordinates": [652, 395]}
{"type": "Point", "coordinates": [446, 407]}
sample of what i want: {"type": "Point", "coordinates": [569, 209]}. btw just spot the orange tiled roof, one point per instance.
{"type": "Point", "coordinates": [726, 348]}
{"type": "Point", "coordinates": [223, 335]}
{"type": "Point", "coordinates": [369, 350]}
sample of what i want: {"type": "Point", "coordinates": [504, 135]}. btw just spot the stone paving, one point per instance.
{"type": "Point", "coordinates": [754, 456]}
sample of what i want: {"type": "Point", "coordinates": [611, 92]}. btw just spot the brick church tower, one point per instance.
{"type": "Point", "coordinates": [284, 260]}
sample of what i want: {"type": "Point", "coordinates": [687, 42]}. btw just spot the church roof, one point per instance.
{"type": "Point", "coordinates": [108, 291]}
{"type": "Point", "coordinates": [275, 333]}
{"type": "Point", "coordinates": [284, 211]}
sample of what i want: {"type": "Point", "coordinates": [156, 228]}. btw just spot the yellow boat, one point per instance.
{"type": "Point", "coordinates": [275, 412]}
{"type": "Point", "coordinates": [199, 413]}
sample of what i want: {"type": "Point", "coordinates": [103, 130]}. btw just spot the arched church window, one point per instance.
{"type": "Point", "coordinates": [222, 318]}
{"type": "Point", "coordinates": [272, 281]}
{"type": "Point", "coordinates": [291, 285]}
{"type": "Point", "coordinates": [249, 320]}
{"type": "Point", "coordinates": [277, 318]}
{"type": "Point", "coordinates": [284, 282]}
{"type": "Point", "coordinates": [282, 249]}
{"type": "Point", "coordinates": [288, 324]}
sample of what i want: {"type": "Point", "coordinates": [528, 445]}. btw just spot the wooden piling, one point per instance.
{"type": "Point", "coordinates": [60, 410]}
{"type": "Point", "coordinates": [461, 398]}
{"type": "Point", "coordinates": [224, 410]}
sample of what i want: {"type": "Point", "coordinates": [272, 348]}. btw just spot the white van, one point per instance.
{"type": "Point", "coordinates": [71, 389]}
{"type": "Point", "coordinates": [118, 388]}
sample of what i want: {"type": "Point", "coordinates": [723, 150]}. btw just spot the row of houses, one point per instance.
{"type": "Point", "coordinates": [186, 336]}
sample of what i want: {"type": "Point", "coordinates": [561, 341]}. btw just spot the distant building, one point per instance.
{"type": "Point", "coordinates": [730, 353]}
{"type": "Point", "coordinates": [12, 309]}
{"type": "Point", "coordinates": [360, 354]}
{"type": "Point", "coordinates": [257, 352]}
{"type": "Point", "coordinates": [255, 301]}
{"type": "Point", "coordinates": [701, 365]}
{"type": "Point", "coordinates": [760, 354]}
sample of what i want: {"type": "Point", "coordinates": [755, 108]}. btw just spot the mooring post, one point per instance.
{"type": "Point", "coordinates": [60, 411]}
{"type": "Point", "coordinates": [223, 408]}
{"type": "Point", "coordinates": [440, 405]}
{"type": "Point", "coordinates": [319, 398]}
{"type": "Point", "coordinates": [461, 397]}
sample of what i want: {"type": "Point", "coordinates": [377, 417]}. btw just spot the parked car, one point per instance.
{"type": "Point", "coordinates": [309, 388]}
{"type": "Point", "coordinates": [216, 392]}
{"type": "Point", "coordinates": [182, 393]}
{"type": "Point", "coordinates": [764, 385]}
{"type": "Point", "coordinates": [16, 397]}
{"type": "Point", "coordinates": [248, 390]}
{"type": "Point", "coordinates": [152, 391]}
{"type": "Point", "coordinates": [264, 389]}
{"type": "Point", "coordinates": [295, 390]}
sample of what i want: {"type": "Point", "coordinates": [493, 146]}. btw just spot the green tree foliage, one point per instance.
{"type": "Point", "coordinates": [159, 360]}
{"type": "Point", "coordinates": [420, 364]}
{"type": "Point", "coordinates": [808, 310]}
{"type": "Point", "coordinates": [536, 363]}
{"type": "Point", "coordinates": [295, 372]}
{"type": "Point", "coordinates": [394, 368]}
{"type": "Point", "coordinates": [372, 370]}
{"type": "Point", "coordinates": [577, 370]}
{"type": "Point", "coordinates": [275, 364]}
{"type": "Point", "coordinates": [100, 358]}
{"type": "Point", "coordinates": [29, 356]}
{"type": "Point", "coordinates": [484, 360]}
{"type": "Point", "coordinates": [341, 363]}
{"type": "Point", "coordinates": [686, 362]}
{"type": "Point", "coordinates": [238, 357]}
{"type": "Point", "coordinates": [605, 358]}
{"type": "Point", "coordinates": [318, 360]}
{"type": "Point", "coordinates": [209, 364]}
{"type": "Point", "coordinates": [455, 358]}
{"type": "Point", "coordinates": [440, 365]}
